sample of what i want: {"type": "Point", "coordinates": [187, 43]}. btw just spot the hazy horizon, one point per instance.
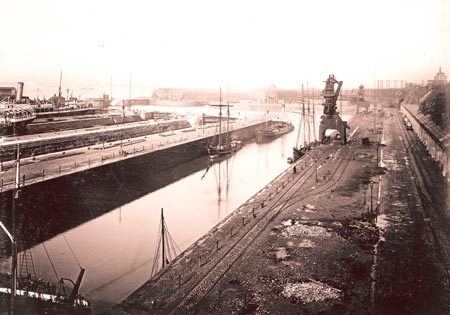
{"type": "Point", "coordinates": [207, 44]}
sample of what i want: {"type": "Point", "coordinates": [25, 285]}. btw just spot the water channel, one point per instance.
{"type": "Point", "coordinates": [117, 247]}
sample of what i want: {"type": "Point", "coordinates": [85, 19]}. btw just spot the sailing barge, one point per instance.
{"type": "Point", "coordinates": [224, 146]}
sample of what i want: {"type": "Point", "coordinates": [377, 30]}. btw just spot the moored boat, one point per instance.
{"type": "Point", "coordinates": [15, 117]}
{"type": "Point", "coordinates": [276, 130]}
{"type": "Point", "coordinates": [225, 145]}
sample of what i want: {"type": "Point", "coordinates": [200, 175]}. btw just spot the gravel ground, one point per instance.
{"type": "Point", "coordinates": [325, 252]}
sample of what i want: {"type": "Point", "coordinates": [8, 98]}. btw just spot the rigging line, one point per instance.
{"type": "Point", "coordinates": [171, 238]}
{"type": "Point", "coordinates": [155, 261]}
{"type": "Point", "coordinates": [71, 250]}
{"type": "Point", "coordinates": [51, 262]}
{"type": "Point", "coordinates": [157, 251]}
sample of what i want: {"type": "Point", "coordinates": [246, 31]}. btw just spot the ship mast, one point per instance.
{"type": "Point", "coordinates": [166, 249]}
{"type": "Point", "coordinates": [303, 118]}
{"type": "Point", "coordinates": [163, 241]}
{"type": "Point", "coordinates": [314, 118]}
{"type": "Point", "coordinates": [220, 119]}
{"type": "Point", "coordinates": [228, 116]}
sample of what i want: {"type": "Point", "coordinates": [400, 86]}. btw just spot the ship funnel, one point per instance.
{"type": "Point", "coordinates": [19, 92]}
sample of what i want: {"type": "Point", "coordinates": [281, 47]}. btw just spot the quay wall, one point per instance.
{"type": "Point", "coordinates": [69, 123]}
{"type": "Point", "coordinates": [430, 135]}
{"type": "Point", "coordinates": [43, 146]}
{"type": "Point", "coordinates": [56, 204]}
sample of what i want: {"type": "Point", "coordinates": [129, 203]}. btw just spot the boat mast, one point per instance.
{"type": "Point", "coordinates": [309, 114]}
{"type": "Point", "coordinates": [220, 118]}
{"type": "Point", "coordinates": [59, 90]}
{"type": "Point", "coordinates": [228, 116]}
{"type": "Point", "coordinates": [303, 118]}
{"type": "Point", "coordinates": [163, 241]}
{"type": "Point", "coordinates": [314, 118]}
{"type": "Point", "coordinates": [299, 129]}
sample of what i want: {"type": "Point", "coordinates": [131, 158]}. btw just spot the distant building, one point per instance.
{"type": "Point", "coordinates": [136, 102]}
{"type": "Point", "coordinates": [103, 102]}
{"type": "Point", "coordinates": [440, 77]}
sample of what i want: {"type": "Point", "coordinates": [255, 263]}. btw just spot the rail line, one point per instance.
{"type": "Point", "coordinates": [201, 289]}
{"type": "Point", "coordinates": [427, 200]}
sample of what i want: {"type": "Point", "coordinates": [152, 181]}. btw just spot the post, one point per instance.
{"type": "Point", "coordinates": [378, 158]}
{"type": "Point", "coordinates": [371, 202]}
{"type": "Point", "coordinates": [14, 244]}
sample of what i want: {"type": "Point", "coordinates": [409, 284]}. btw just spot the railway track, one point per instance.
{"type": "Point", "coordinates": [433, 209]}
{"type": "Point", "coordinates": [283, 201]}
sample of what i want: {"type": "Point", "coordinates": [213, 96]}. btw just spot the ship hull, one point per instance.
{"type": "Point", "coordinates": [14, 128]}
{"type": "Point", "coordinates": [274, 132]}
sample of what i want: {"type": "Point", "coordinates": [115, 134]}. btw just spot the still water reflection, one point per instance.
{"type": "Point", "coordinates": [117, 248]}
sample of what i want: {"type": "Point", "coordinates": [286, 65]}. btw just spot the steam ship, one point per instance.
{"type": "Point", "coordinates": [14, 116]}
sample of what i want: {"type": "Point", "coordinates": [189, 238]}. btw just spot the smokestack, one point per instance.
{"type": "Point", "coordinates": [19, 92]}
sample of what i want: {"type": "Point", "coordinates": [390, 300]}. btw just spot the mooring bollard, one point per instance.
{"type": "Point", "coordinates": [217, 245]}
{"type": "Point", "coordinates": [43, 172]}
{"type": "Point", "coordinates": [243, 221]}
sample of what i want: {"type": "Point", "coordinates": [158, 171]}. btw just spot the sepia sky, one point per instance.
{"type": "Point", "coordinates": [234, 43]}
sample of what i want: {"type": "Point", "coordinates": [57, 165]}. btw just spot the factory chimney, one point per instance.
{"type": "Point", "coordinates": [19, 92]}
